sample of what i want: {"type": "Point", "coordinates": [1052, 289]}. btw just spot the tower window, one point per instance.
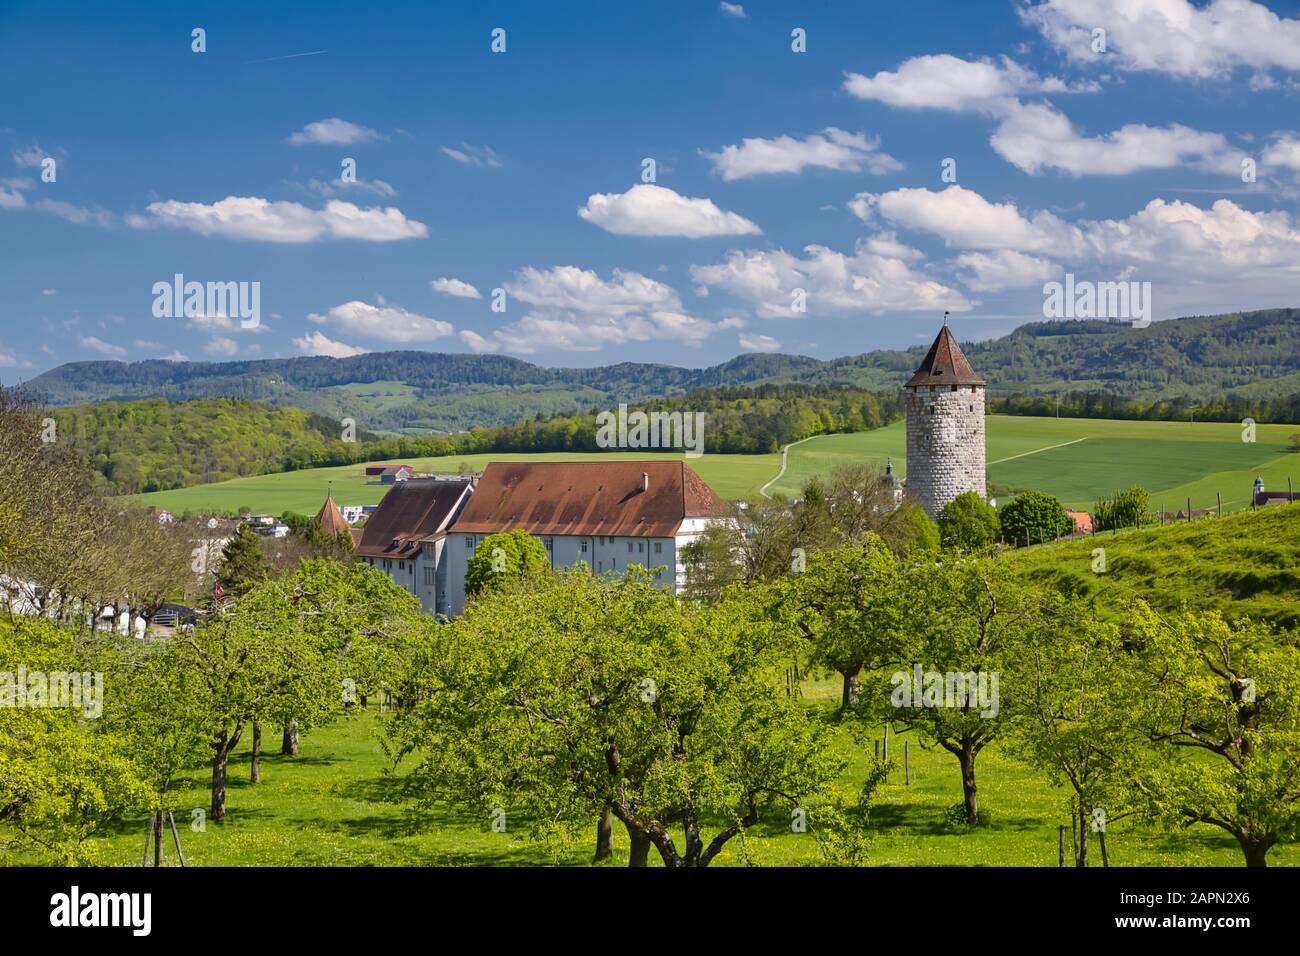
{"type": "Point", "coordinates": [931, 409]}
{"type": "Point", "coordinates": [952, 388]}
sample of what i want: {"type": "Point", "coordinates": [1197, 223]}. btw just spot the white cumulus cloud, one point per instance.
{"type": "Point", "coordinates": [333, 132]}
{"type": "Point", "coordinates": [387, 323]}
{"type": "Point", "coordinates": [650, 210]}
{"type": "Point", "coordinates": [317, 343]}
{"type": "Point", "coordinates": [830, 149]}
{"type": "Point", "coordinates": [250, 217]}
{"type": "Point", "coordinates": [454, 287]}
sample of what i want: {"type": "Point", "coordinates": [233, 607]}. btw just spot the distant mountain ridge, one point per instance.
{"type": "Point", "coordinates": [1251, 354]}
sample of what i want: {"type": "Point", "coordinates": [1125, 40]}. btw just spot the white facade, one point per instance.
{"type": "Point", "coordinates": [603, 554]}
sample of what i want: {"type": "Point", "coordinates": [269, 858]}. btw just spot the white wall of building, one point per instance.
{"type": "Point", "coordinates": [603, 554]}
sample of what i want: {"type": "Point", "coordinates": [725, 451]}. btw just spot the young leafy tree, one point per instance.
{"type": "Point", "coordinates": [61, 779]}
{"type": "Point", "coordinates": [969, 522]}
{"type": "Point", "coordinates": [1230, 693]}
{"type": "Point", "coordinates": [847, 605]}
{"type": "Point", "coordinates": [558, 699]}
{"type": "Point", "coordinates": [243, 565]}
{"type": "Point", "coordinates": [1076, 684]}
{"type": "Point", "coordinates": [252, 660]}
{"type": "Point", "coordinates": [509, 554]}
{"type": "Point", "coordinates": [1032, 517]}
{"type": "Point", "coordinates": [966, 621]}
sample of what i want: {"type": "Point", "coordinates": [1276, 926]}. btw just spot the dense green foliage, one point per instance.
{"type": "Point", "coordinates": [968, 522]}
{"type": "Point", "coordinates": [1124, 509]}
{"type": "Point", "coordinates": [1033, 517]}
{"type": "Point", "coordinates": [501, 557]}
{"type": "Point", "coordinates": [156, 444]}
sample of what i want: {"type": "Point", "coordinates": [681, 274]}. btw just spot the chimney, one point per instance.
{"type": "Point", "coordinates": [645, 481]}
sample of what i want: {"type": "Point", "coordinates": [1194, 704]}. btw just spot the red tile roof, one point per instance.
{"type": "Point", "coordinates": [588, 498]}
{"type": "Point", "coordinates": [413, 510]}
{"type": "Point", "coordinates": [944, 364]}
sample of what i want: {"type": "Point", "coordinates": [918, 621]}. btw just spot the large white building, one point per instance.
{"type": "Point", "coordinates": [406, 536]}
{"type": "Point", "coordinates": [605, 514]}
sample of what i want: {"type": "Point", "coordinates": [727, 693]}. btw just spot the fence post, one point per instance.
{"type": "Point", "coordinates": [885, 748]}
{"type": "Point", "coordinates": [1218, 506]}
{"type": "Point", "coordinates": [907, 762]}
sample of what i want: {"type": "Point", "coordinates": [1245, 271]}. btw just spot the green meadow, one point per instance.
{"type": "Point", "coordinates": [1078, 459]}
{"type": "Point", "coordinates": [1075, 459]}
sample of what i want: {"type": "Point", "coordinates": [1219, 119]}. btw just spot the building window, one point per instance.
{"type": "Point", "coordinates": [549, 542]}
{"type": "Point", "coordinates": [952, 388]}
{"type": "Point", "coordinates": [931, 409]}
{"type": "Point", "coordinates": [659, 547]}
{"type": "Point", "coordinates": [640, 546]}
{"type": "Point", "coordinates": [584, 547]}
{"type": "Point", "coordinates": [629, 547]}
{"type": "Point", "coordinates": [401, 565]}
{"type": "Point", "coordinates": [428, 577]}
{"type": "Point", "coordinates": [469, 541]}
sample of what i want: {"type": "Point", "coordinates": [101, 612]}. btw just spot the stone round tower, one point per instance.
{"type": "Point", "coordinates": [944, 402]}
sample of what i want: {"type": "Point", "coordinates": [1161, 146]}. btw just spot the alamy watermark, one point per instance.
{"type": "Point", "coordinates": [234, 300]}
{"type": "Point", "coordinates": [76, 690]}
{"type": "Point", "coordinates": [975, 689]}
{"type": "Point", "coordinates": [638, 429]}
{"type": "Point", "coordinates": [1098, 300]}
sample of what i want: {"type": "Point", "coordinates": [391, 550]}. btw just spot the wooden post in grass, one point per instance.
{"type": "Point", "coordinates": [176, 838]}
{"type": "Point", "coordinates": [1218, 505]}
{"type": "Point", "coordinates": [1060, 856]}
{"type": "Point", "coordinates": [1101, 838]}
{"type": "Point", "coordinates": [1289, 497]}
{"type": "Point", "coordinates": [1074, 832]}
{"type": "Point", "coordinates": [907, 762]}
{"type": "Point", "coordinates": [885, 748]}
{"type": "Point", "coordinates": [1189, 509]}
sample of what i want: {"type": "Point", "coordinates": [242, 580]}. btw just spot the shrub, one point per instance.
{"type": "Point", "coordinates": [969, 522]}
{"type": "Point", "coordinates": [1033, 517]}
{"type": "Point", "coordinates": [1125, 510]}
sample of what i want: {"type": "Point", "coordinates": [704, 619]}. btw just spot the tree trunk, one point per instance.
{"type": "Point", "coordinates": [849, 694]}
{"type": "Point", "coordinates": [289, 747]}
{"type": "Point", "coordinates": [256, 774]}
{"type": "Point", "coordinates": [223, 745]}
{"type": "Point", "coordinates": [1256, 851]}
{"type": "Point", "coordinates": [605, 835]}
{"type": "Point", "coordinates": [1082, 860]}
{"type": "Point", "coordinates": [639, 854]}
{"type": "Point", "coordinates": [157, 838]}
{"type": "Point", "coordinates": [967, 758]}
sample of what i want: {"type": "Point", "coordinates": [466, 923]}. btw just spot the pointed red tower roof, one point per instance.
{"type": "Point", "coordinates": [331, 519]}
{"type": "Point", "coordinates": [944, 364]}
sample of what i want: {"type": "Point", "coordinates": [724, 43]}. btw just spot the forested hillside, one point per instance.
{"type": "Point", "coordinates": [157, 445]}
{"type": "Point", "coordinates": [154, 445]}
{"type": "Point", "coordinates": [1204, 359]}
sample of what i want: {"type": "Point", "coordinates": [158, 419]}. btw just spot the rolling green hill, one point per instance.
{"type": "Point", "coordinates": [1079, 459]}
{"type": "Point", "coordinates": [1075, 459]}
{"type": "Point", "coordinates": [1245, 565]}
{"type": "Point", "coordinates": [1254, 355]}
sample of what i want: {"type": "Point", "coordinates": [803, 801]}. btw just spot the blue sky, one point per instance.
{"type": "Point", "coordinates": [776, 171]}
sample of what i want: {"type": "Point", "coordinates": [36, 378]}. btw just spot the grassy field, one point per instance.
{"type": "Point", "coordinates": [1075, 459]}
{"type": "Point", "coordinates": [1245, 564]}
{"type": "Point", "coordinates": [732, 476]}
{"type": "Point", "coordinates": [1078, 459]}
{"type": "Point", "coordinates": [335, 805]}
